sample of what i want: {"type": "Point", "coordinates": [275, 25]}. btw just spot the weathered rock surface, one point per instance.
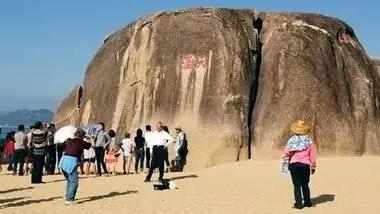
{"type": "Point", "coordinates": [68, 112]}
{"type": "Point", "coordinates": [376, 63]}
{"type": "Point", "coordinates": [234, 80]}
{"type": "Point", "coordinates": [314, 68]}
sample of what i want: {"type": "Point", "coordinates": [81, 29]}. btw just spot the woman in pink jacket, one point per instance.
{"type": "Point", "coordinates": [301, 154]}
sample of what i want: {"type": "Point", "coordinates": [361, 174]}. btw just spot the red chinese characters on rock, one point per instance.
{"type": "Point", "coordinates": [187, 62]}
{"type": "Point", "coordinates": [201, 62]}
{"type": "Point", "coordinates": [190, 62]}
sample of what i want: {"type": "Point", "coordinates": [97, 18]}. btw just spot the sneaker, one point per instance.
{"type": "Point", "coordinates": [68, 203]}
{"type": "Point", "coordinates": [298, 207]}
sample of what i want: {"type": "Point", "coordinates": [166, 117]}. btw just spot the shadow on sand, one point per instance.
{"type": "Point", "coordinates": [27, 202]}
{"type": "Point", "coordinates": [9, 200]}
{"type": "Point", "coordinates": [15, 190]}
{"type": "Point", "coordinates": [183, 177]}
{"type": "Point", "coordinates": [109, 195]}
{"type": "Point", "coordinates": [323, 199]}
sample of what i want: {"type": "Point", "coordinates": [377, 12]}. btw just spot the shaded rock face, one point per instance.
{"type": "Point", "coordinates": [68, 112]}
{"type": "Point", "coordinates": [234, 80]}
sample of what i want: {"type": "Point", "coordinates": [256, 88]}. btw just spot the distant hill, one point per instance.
{"type": "Point", "coordinates": [26, 117]}
{"type": "Point", "coordinates": [3, 113]}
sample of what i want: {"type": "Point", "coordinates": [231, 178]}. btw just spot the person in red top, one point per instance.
{"type": "Point", "coordinates": [301, 155]}
{"type": "Point", "coordinates": [73, 149]}
{"type": "Point", "coordinates": [9, 149]}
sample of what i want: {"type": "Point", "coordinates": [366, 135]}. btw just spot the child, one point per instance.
{"type": "Point", "coordinates": [9, 149]}
{"type": "Point", "coordinates": [111, 153]}
{"type": "Point", "coordinates": [127, 148]}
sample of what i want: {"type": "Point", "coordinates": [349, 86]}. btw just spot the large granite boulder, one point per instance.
{"type": "Point", "coordinates": [234, 80]}
{"type": "Point", "coordinates": [314, 68]}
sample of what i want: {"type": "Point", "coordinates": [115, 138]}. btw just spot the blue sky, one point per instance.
{"type": "Point", "coordinates": [45, 46]}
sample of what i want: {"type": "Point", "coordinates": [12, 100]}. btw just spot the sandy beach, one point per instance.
{"type": "Point", "coordinates": [341, 185]}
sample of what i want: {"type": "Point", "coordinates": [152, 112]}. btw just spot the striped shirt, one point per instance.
{"type": "Point", "coordinates": [39, 142]}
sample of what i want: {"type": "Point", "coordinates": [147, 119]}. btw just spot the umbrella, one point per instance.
{"type": "Point", "coordinates": [64, 133]}
{"type": "Point", "coordinates": [91, 130]}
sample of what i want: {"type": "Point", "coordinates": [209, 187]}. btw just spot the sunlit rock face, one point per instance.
{"type": "Point", "coordinates": [234, 80]}
{"type": "Point", "coordinates": [376, 63]}
{"type": "Point", "coordinates": [314, 68]}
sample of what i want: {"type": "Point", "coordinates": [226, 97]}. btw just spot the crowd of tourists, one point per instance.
{"type": "Point", "coordinates": [36, 150]}
{"type": "Point", "coordinates": [20, 148]}
{"type": "Point", "coordinates": [37, 153]}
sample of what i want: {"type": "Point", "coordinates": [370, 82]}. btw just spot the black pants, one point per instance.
{"type": "Point", "coordinates": [19, 158]}
{"type": "Point", "coordinates": [300, 176]}
{"type": "Point", "coordinates": [158, 160]}
{"type": "Point", "coordinates": [10, 161]}
{"type": "Point", "coordinates": [99, 153]}
{"type": "Point", "coordinates": [139, 159]}
{"type": "Point", "coordinates": [178, 163]}
{"type": "Point", "coordinates": [38, 166]}
{"type": "Point", "coordinates": [59, 151]}
{"type": "Point", "coordinates": [147, 152]}
{"type": "Point", "coordinates": [51, 159]}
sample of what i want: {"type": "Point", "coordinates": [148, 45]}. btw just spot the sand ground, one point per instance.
{"type": "Point", "coordinates": [341, 185]}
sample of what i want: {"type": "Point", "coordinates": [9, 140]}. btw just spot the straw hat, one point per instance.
{"type": "Point", "coordinates": [300, 127]}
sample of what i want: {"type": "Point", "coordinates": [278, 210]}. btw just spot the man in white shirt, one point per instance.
{"type": "Point", "coordinates": [160, 140]}
{"type": "Point", "coordinates": [20, 150]}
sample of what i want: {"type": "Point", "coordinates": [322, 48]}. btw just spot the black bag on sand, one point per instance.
{"type": "Point", "coordinates": [163, 186]}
